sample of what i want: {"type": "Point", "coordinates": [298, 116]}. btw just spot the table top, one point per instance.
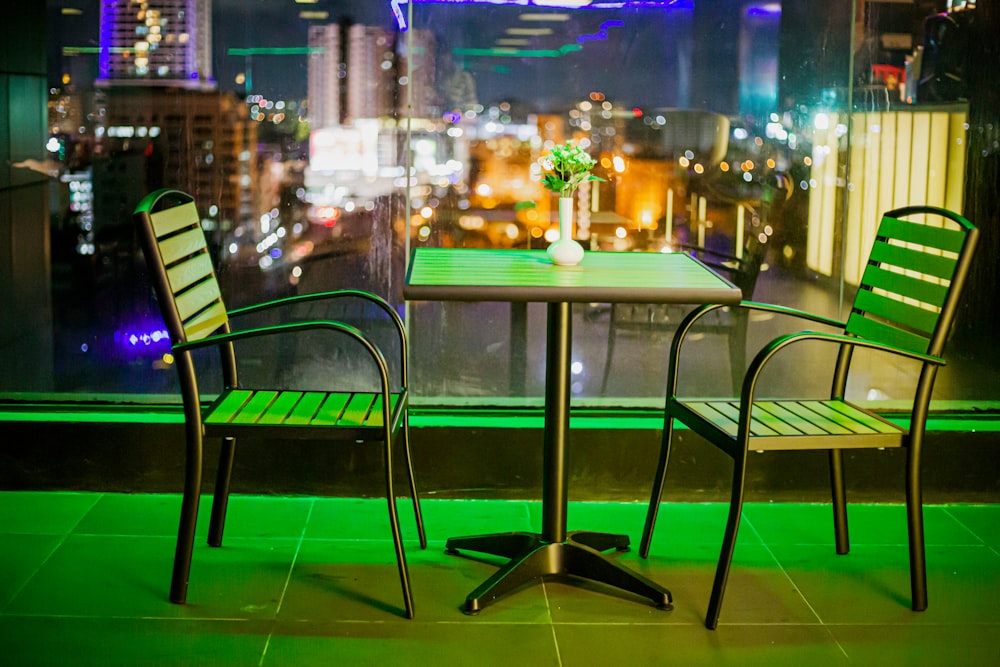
{"type": "Point", "coordinates": [477, 274]}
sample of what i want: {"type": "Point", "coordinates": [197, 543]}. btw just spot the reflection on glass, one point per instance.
{"type": "Point", "coordinates": [321, 148]}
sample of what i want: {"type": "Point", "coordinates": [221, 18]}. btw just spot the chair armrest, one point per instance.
{"type": "Point", "coordinates": [352, 332]}
{"type": "Point", "coordinates": [765, 354]}
{"type": "Point", "coordinates": [335, 295]}
{"type": "Point", "coordinates": [689, 321]}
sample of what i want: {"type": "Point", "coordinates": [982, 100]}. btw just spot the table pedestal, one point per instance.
{"type": "Point", "coordinates": [553, 551]}
{"type": "Point", "coordinates": [532, 558]}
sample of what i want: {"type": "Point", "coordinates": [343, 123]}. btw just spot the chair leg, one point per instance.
{"type": "Point", "coordinates": [915, 526]}
{"type": "Point", "coordinates": [189, 516]}
{"type": "Point", "coordinates": [418, 515]}
{"type": "Point", "coordinates": [728, 542]}
{"type": "Point", "coordinates": [657, 493]}
{"type": "Point", "coordinates": [839, 496]}
{"type": "Point", "coordinates": [220, 501]}
{"type": "Point", "coordinates": [397, 537]}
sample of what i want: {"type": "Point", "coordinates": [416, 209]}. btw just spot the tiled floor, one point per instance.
{"type": "Point", "coordinates": [304, 581]}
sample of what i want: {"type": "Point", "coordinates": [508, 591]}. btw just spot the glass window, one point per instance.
{"type": "Point", "coordinates": [324, 141]}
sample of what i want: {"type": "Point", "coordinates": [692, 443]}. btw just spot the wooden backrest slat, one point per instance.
{"type": "Point", "coordinates": [939, 266]}
{"type": "Point", "coordinates": [197, 298]}
{"type": "Point", "coordinates": [859, 325]}
{"type": "Point", "coordinates": [930, 236]}
{"type": "Point", "coordinates": [906, 286]}
{"type": "Point", "coordinates": [886, 308]}
{"type": "Point", "coordinates": [170, 220]}
{"type": "Point", "coordinates": [182, 245]}
{"type": "Point", "coordinates": [189, 272]}
{"type": "Point", "coordinates": [206, 322]}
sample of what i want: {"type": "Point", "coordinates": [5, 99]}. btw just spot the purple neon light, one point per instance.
{"type": "Point", "coordinates": [596, 4]}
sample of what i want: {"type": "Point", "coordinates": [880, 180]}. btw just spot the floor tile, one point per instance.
{"type": "Point", "coordinates": [304, 581]}
{"type": "Point", "coordinates": [872, 583]}
{"type": "Point", "coordinates": [359, 519]}
{"type": "Point", "coordinates": [43, 513]}
{"type": "Point", "coordinates": [402, 645]}
{"type": "Point", "coordinates": [20, 558]}
{"type": "Point", "coordinates": [797, 523]}
{"type": "Point", "coordinates": [982, 520]}
{"type": "Point", "coordinates": [757, 592]}
{"type": "Point", "coordinates": [335, 580]}
{"type": "Point", "coordinates": [158, 514]}
{"type": "Point", "coordinates": [691, 646]}
{"type": "Point", "coordinates": [114, 576]}
{"type": "Point", "coordinates": [916, 645]}
{"type": "Point", "coordinates": [128, 642]}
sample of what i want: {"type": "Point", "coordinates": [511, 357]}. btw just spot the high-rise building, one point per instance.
{"type": "Point", "coordinates": [371, 73]}
{"type": "Point", "coordinates": [326, 71]}
{"type": "Point", "coordinates": [156, 42]}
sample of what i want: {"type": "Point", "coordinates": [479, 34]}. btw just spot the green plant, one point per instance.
{"type": "Point", "coordinates": [566, 168]}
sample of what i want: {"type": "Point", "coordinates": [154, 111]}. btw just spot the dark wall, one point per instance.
{"type": "Point", "coordinates": [25, 296]}
{"type": "Point", "coordinates": [505, 463]}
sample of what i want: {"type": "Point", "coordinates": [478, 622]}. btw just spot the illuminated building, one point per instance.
{"type": "Point", "coordinates": [371, 73]}
{"type": "Point", "coordinates": [158, 42]}
{"type": "Point", "coordinates": [324, 75]}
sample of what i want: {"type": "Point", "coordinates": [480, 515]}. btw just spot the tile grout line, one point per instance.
{"type": "Point", "coordinates": [288, 578]}
{"type": "Point", "coordinates": [781, 568]}
{"type": "Point", "coordinates": [48, 556]}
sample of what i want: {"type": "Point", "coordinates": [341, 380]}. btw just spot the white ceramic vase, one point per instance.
{"type": "Point", "coordinates": [566, 251]}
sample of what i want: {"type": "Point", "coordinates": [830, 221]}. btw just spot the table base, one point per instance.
{"type": "Point", "coordinates": [532, 557]}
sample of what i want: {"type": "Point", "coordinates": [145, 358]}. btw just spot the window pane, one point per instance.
{"type": "Point", "coordinates": [323, 142]}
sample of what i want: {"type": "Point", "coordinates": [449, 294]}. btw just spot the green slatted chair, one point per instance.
{"type": "Point", "coordinates": [904, 306]}
{"type": "Point", "coordinates": [188, 293]}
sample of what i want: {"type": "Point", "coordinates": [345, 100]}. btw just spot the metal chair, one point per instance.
{"type": "Point", "coordinates": [904, 306]}
{"type": "Point", "coordinates": [654, 318]}
{"type": "Point", "coordinates": [190, 301]}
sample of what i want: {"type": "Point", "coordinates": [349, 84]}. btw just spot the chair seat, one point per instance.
{"type": "Point", "coordinates": [796, 424]}
{"type": "Point", "coordinates": [355, 415]}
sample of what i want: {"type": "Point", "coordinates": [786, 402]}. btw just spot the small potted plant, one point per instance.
{"type": "Point", "coordinates": [566, 167]}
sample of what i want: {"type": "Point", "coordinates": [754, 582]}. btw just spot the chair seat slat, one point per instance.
{"type": "Point", "coordinates": [707, 411]}
{"type": "Point", "coordinates": [776, 420]}
{"type": "Point", "coordinates": [827, 426]}
{"type": "Point", "coordinates": [732, 410]}
{"type": "Point", "coordinates": [801, 424]}
{"type": "Point", "coordinates": [843, 420]}
{"type": "Point", "coordinates": [229, 406]}
{"type": "Point", "coordinates": [305, 409]}
{"type": "Point", "coordinates": [331, 410]}
{"type": "Point", "coordinates": [254, 408]}
{"type": "Point", "coordinates": [357, 410]}
{"type": "Point", "coordinates": [280, 409]}
{"type": "Point", "coordinates": [857, 414]}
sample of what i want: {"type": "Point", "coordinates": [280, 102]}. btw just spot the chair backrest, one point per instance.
{"type": "Point", "coordinates": [910, 287]}
{"type": "Point", "coordinates": [180, 265]}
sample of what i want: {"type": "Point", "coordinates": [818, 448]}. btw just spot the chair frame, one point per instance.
{"type": "Point", "coordinates": [386, 422]}
{"type": "Point", "coordinates": [749, 424]}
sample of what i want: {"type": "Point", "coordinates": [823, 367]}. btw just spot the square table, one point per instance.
{"type": "Point", "coordinates": [467, 274]}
